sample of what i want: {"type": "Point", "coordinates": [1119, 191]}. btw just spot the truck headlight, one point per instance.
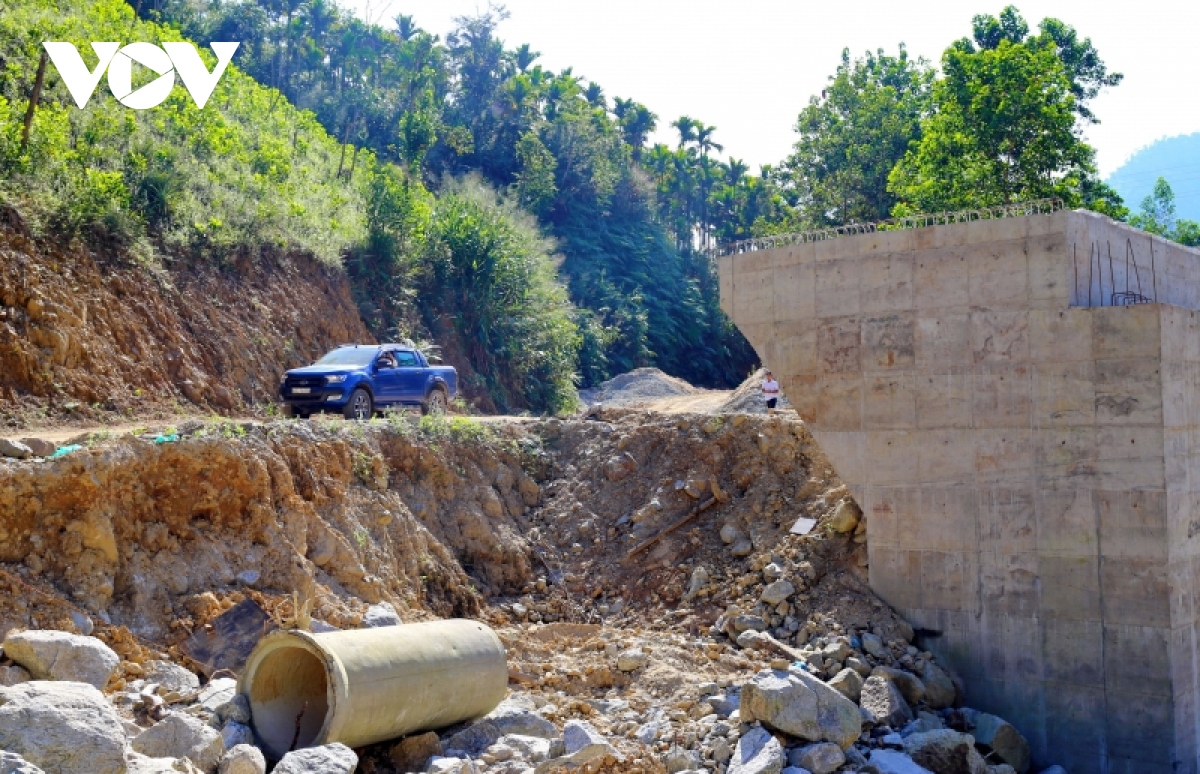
{"type": "Point", "coordinates": [335, 379]}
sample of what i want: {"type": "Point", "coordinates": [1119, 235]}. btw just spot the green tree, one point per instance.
{"type": "Point", "coordinates": [853, 136]}
{"type": "Point", "coordinates": [1157, 216]}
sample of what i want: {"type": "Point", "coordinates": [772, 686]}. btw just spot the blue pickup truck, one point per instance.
{"type": "Point", "coordinates": [358, 380]}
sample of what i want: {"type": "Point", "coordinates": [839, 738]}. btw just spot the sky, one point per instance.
{"type": "Point", "coordinates": [747, 67]}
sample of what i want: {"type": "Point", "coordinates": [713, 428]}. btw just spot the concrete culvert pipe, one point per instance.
{"type": "Point", "coordinates": [370, 685]}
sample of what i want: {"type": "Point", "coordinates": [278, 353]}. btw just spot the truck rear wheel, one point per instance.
{"type": "Point", "coordinates": [359, 406]}
{"type": "Point", "coordinates": [436, 402]}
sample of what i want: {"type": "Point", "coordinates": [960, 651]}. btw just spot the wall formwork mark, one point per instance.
{"type": "Point", "coordinates": [1025, 445]}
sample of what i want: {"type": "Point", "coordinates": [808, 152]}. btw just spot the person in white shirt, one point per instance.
{"type": "Point", "coordinates": [770, 391]}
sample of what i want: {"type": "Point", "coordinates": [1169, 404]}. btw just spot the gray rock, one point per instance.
{"type": "Point", "coordinates": [235, 733]}
{"type": "Point", "coordinates": [699, 580]}
{"type": "Point", "coordinates": [236, 709]}
{"type": "Point", "coordinates": [873, 645]}
{"type": "Point", "coordinates": [1003, 740]}
{"type": "Point", "coordinates": [249, 577]}
{"type": "Point", "coordinates": [55, 655]}
{"type": "Point", "coordinates": [779, 591]}
{"type": "Point", "coordinates": [578, 734]}
{"type": "Point", "coordinates": [860, 666]}
{"type": "Point", "coordinates": [62, 727]}
{"type": "Point", "coordinates": [14, 449]}
{"type": "Point", "coordinates": [838, 650]}
{"type": "Point", "coordinates": [172, 677]}
{"type": "Point", "coordinates": [632, 659]}
{"type": "Point", "coordinates": [40, 447]}
{"type": "Point", "coordinates": [848, 683]}
{"type": "Point", "coordinates": [731, 534]}
{"type": "Point", "coordinates": [678, 760]}
{"type": "Point", "coordinates": [945, 752]}
{"type": "Point", "coordinates": [182, 736]}
{"type": "Point", "coordinates": [757, 752]}
{"type": "Point", "coordinates": [743, 622]}
{"type": "Point", "coordinates": [534, 749]}
{"type": "Point", "coordinates": [742, 547]}
{"type": "Point", "coordinates": [939, 688]}
{"type": "Point", "coordinates": [883, 702]}
{"type": "Point", "coordinates": [83, 622]}
{"type": "Point", "coordinates": [725, 703]}
{"type": "Point", "coordinates": [441, 765]}
{"type": "Point", "coordinates": [334, 758]}
{"type": "Point", "coordinates": [823, 758]}
{"type": "Point", "coordinates": [512, 718]}
{"type": "Point", "coordinates": [926, 721]}
{"type": "Point", "coordinates": [11, 763]}
{"type": "Point", "coordinates": [217, 692]}
{"type": "Point", "coordinates": [911, 687]}
{"type": "Point", "coordinates": [381, 614]}
{"type": "Point", "coordinates": [13, 675]}
{"type": "Point", "coordinates": [243, 759]}
{"type": "Point", "coordinates": [144, 764]}
{"type": "Point", "coordinates": [893, 762]}
{"type": "Point", "coordinates": [475, 738]}
{"type": "Point", "coordinates": [799, 704]}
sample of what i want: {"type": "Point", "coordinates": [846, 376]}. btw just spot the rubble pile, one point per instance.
{"type": "Point", "coordinates": [676, 593]}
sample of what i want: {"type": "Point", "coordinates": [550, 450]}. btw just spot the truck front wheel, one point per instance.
{"type": "Point", "coordinates": [359, 406]}
{"type": "Point", "coordinates": [436, 402]}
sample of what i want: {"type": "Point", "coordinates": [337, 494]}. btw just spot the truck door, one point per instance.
{"type": "Point", "coordinates": [387, 379]}
{"type": "Point", "coordinates": [412, 377]}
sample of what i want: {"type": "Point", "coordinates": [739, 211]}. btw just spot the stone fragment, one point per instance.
{"type": "Point", "coordinates": [911, 687]}
{"type": "Point", "coordinates": [939, 688]}
{"type": "Point", "coordinates": [40, 447]}
{"type": "Point", "coordinates": [580, 734]}
{"type": "Point", "coordinates": [742, 547]}
{"type": "Point", "coordinates": [413, 752]}
{"type": "Point", "coordinates": [945, 752]}
{"type": "Point", "coordinates": [619, 467]}
{"type": "Point", "coordinates": [757, 752]}
{"type": "Point", "coordinates": [82, 622]}
{"type": "Point", "coordinates": [838, 650]}
{"type": "Point", "coordinates": [182, 736]}
{"type": "Point", "coordinates": [515, 715]}
{"type": "Point", "coordinates": [440, 765]}
{"type": "Point", "coordinates": [534, 749]}
{"type": "Point", "coordinates": [1003, 740]}
{"type": "Point", "coordinates": [220, 690]}
{"type": "Point", "coordinates": [381, 614]}
{"type": "Point", "coordinates": [730, 534]}
{"type": "Point", "coordinates": [883, 702]}
{"type": "Point", "coordinates": [235, 733]}
{"type": "Point", "coordinates": [776, 592]}
{"type": "Point", "coordinates": [742, 622]}
{"type": "Point", "coordinates": [11, 763]}
{"type": "Point", "coordinates": [334, 758]}
{"type": "Point", "coordinates": [14, 449]}
{"type": "Point", "coordinates": [894, 762]}
{"type": "Point", "coordinates": [823, 758]}
{"type": "Point", "coordinates": [171, 677]}
{"type": "Point", "coordinates": [144, 764]}
{"type": "Point", "coordinates": [62, 727]}
{"type": "Point", "coordinates": [632, 659]}
{"type": "Point", "coordinates": [860, 666]}
{"type": "Point", "coordinates": [677, 760]}
{"type": "Point", "coordinates": [698, 581]}
{"type": "Point", "coordinates": [848, 683]}
{"type": "Point", "coordinates": [12, 675]}
{"type": "Point", "coordinates": [55, 655]}
{"type": "Point", "coordinates": [475, 738]}
{"type": "Point", "coordinates": [236, 709]}
{"type": "Point", "coordinates": [799, 704]}
{"type": "Point", "coordinates": [845, 517]}
{"type": "Point", "coordinates": [873, 645]}
{"type": "Point", "coordinates": [243, 759]}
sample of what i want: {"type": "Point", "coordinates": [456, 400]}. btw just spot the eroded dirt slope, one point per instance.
{"type": "Point", "coordinates": [85, 335]}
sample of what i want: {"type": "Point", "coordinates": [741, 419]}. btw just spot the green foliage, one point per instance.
{"type": "Point", "coordinates": [854, 134]}
{"type": "Point", "coordinates": [1157, 216]}
{"type": "Point", "coordinates": [1004, 123]}
{"type": "Point", "coordinates": [247, 171]}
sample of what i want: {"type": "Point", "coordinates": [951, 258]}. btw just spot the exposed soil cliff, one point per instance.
{"type": "Point", "coordinates": [87, 335]}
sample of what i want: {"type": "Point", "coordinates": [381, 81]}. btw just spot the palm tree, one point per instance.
{"type": "Point", "coordinates": [406, 28]}
{"type": "Point", "coordinates": [525, 56]}
{"type": "Point", "coordinates": [595, 95]}
{"type": "Point", "coordinates": [687, 129]}
{"type": "Point", "coordinates": [704, 139]}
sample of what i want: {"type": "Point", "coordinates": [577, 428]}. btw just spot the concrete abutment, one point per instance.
{"type": "Point", "coordinates": [1026, 454]}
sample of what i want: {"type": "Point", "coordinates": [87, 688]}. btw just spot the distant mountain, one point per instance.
{"type": "Point", "coordinates": [1175, 158]}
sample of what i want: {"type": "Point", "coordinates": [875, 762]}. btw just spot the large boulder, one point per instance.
{"type": "Point", "coordinates": [945, 752]}
{"type": "Point", "coordinates": [848, 683]}
{"type": "Point", "coordinates": [182, 736]}
{"type": "Point", "coordinates": [516, 715]}
{"type": "Point", "coordinates": [172, 677]}
{"type": "Point", "coordinates": [799, 704]}
{"type": "Point", "coordinates": [55, 655]}
{"type": "Point", "coordinates": [584, 743]}
{"type": "Point", "coordinates": [381, 614]}
{"type": "Point", "coordinates": [894, 762]}
{"type": "Point", "coordinates": [939, 688]}
{"type": "Point", "coordinates": [882, 701]}
{"type": "Point", "coordinates": [13, 675]}
{"type": "Point", "coordinates": [62, 727]}
{"type": "Point", "coordinates": [413, 752]}
{"type": "Point", "coordinates": [1002, 739]}
{"type": "Point", "coordinates": [144, 764]}
{"type": "Point", "coordinates": [757, 752]}
{"type": "Point", "coordinates": [334, 758]}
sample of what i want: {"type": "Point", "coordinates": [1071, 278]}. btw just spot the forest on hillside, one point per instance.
{"type": "Point", "coordinates": [471, 193]}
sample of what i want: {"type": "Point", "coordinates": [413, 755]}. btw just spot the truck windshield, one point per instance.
{"type": "Point", "coordinates": [349, 356]}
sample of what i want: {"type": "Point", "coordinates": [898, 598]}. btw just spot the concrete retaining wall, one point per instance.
{"type": "Point", "coordinates": [1027, 462]}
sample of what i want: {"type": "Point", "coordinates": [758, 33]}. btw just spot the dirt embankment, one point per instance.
{"type": "Point", "coordinates": [88, 336]}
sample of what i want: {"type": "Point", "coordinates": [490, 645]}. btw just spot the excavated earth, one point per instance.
{"type": "Point", "coordinates": [578, 540]}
